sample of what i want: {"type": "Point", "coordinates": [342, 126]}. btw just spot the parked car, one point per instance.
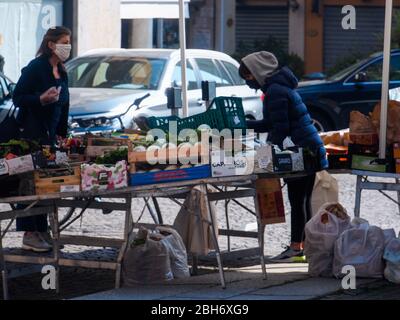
{"type": "Point", "coordinates": [357, 87]}
{"type": "Point", "coordinates": [6, 89]}
{"type": "Point", "coordinates": [105, 82]}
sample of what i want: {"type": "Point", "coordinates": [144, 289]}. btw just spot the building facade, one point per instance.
{"type": "Point", "coordinates": [312, 29]}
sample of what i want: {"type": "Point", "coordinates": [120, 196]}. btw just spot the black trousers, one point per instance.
{"type": "Point", "coordinates": [300, 192]}
{"type": "Point", "coordinates": [33, 223]}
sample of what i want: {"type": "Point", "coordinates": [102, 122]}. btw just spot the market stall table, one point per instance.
{"type": "Point", "coordinates": [50, 204]}
{"type": "Point", "coordinates": [364, 184]}
{"type": "Point", "coordinates": [243, 186]}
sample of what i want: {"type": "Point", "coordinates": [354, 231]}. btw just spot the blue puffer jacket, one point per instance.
{"type": "Point", "coordinates": [285, 115]}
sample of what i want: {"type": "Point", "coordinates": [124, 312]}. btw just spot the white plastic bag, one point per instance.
{"type": "Point", "coordinates": [146, 262]}
{"type": "Point", "coordinates": [392, 258]}
{"type": "Point", "coordinates": [326, 190]}
{"type": "Point", "coordinates": [177, 252]}
{"type": "Point", "coordinates": [362, 247]}
{"type": "Point", "coordinates": [321, 233]}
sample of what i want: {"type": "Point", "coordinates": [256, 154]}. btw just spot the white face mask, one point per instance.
{"type": "Point", "coordinates": [63, 51]}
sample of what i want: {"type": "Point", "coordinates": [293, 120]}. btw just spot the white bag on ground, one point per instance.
{"type": "Point", "coordinates": [147, 262]}
{"type": "Point", "coordinates": [321, 233]}
{"type": "Point", "coordinates": [392, 258]}
{"type": "Point", "coordinates": [362, 247]}
{"type": "Point", "coordinates": [177, 252]}
{"type": "Point", "coordinates": [326, 190]}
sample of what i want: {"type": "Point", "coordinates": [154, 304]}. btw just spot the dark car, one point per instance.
{"type": "Point", "coordinates": [358, 87]}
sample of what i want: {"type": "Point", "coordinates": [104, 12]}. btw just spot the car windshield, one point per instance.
{"type": "Point", "coordinates": [347, 71]}
{"type": "Point", "coordinates": [116, 72]}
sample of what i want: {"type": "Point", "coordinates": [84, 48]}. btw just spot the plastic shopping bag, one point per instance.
{"type": "Point", "coordinates": [321, 233]}
{"type": "Point", "coordinates": [392, 258]}
{"type": "Point", "coordinates": [146, 260]}
{"type": "Point", "coordinates": [177, 252]}
{"type": "Point", "coordinates": [326, 190]}
{"type": "Point", "coordinates": [362, 247]}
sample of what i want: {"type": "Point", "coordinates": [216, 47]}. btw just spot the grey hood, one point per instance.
{"type": "Point", "coordinates": [261, 64]}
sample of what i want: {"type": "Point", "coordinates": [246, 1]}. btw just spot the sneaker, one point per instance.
{"type": "Point", "coordinates": [46, 236]}
{"type": "Point", "coordinates": [32, 241]}
{"type": "Point", "coordinates": [289, 255]}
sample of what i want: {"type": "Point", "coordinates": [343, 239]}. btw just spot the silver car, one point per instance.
{"type": "Point", "coordinates": [105, 83]}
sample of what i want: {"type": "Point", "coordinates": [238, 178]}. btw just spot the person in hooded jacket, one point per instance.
{"type": "Point", "coordinates": [285, 115]}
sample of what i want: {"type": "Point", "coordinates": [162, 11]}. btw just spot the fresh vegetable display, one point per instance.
{"type": "Point", "coordinates": [113, 156]}
{"type": "Point", "coordinates": [16, 148]}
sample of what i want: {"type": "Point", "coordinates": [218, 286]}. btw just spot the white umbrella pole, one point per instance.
{"type": "Point", "coordinates": [385, 79]}
{"type": "Point", "coordinates": [182, 40]}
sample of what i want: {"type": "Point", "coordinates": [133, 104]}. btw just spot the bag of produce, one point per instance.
{"type": "Point", "coordinates": [177, 252]}
{"type": "Point", "coordinates": [362, 247]}
{"type": "Point", "coordinates": [321, 233]}
{"type": "Point", "coordinates": [147, 260]}
{"type": "Point", "coordinates": [392, 258]}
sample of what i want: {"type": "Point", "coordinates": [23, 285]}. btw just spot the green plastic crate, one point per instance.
{"type": "Point", "coordinates": [232, 111]}
{"type": "Point", "coordinates": [211, 117]}
{"type": "Point", "coordinates": [224, 112]}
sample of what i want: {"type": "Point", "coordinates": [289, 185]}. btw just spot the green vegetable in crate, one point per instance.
{"type": "Point", "coordinates": [113, 156]}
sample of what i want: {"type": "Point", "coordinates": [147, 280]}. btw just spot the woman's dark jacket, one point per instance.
{"type": "Point", "coordinates": [41, 123]}
{"type": "Point", "coordinates": [285, 115]}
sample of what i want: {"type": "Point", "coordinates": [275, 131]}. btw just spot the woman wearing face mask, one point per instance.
{"type": "Point", "coordinates": [42, 97]}
{"type": "Point", "coordinates": [285, 115]}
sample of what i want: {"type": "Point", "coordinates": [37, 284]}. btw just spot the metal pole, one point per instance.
{"type": "Point", "coordinates": [182, 40]}
{"type": "Point", "coordinates": [385, 78]}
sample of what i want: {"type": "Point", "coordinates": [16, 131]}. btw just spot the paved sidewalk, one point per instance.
{"type": "Point", "coordinates": [285, 282]}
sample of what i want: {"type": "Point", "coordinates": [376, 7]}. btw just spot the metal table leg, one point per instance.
{"type": "Point", "coordinates": [398, 195]}
{"type": "Point", "coordinates": [3, 268]}
{"type": "Point", "coordinates": [358, 197]}
{"type": "Point", "coordinates": [158, 210]}
{"type": "Point", "coordinates": [55, 228]}
{"type": "Point", "coordinates": [227, 221]}
{"type": "Point", "coordinates": [127, 229]}
{"type": "Point", "coordinates": [215, 240]}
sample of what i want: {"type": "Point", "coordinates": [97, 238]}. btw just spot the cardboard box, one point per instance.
{"type": "Point", "coordinates": [102, 177]}
{"type": "Point", "coordinates": [270, 201]}
{"type": "Point", "coordinates": [288, 162]}
{"type": "Point", "coordinates": [367, 163]}
{"type": "Point", "coordinates": [367, 139]}
{"type": "Point", "coordinates": [396, 150]}
{"type": "Point", "coordinates": [397, 165]}
{"type": "Point", "coordinates": [3, 167]}
{"type": "Point", "coordinates": [198, 172]}
{"type": "Point", "coordinates": [223, 165]}
{"type": "Point", "coordinates": [20, 165]}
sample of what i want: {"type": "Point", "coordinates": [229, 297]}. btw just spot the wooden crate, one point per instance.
{"type": "Point", "coordinates": [45, 183]}
{"type": "Point", "coordinates": [97, 147]}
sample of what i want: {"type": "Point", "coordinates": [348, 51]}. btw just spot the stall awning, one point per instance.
{"type": "Point", "coordinates": [149, 9]}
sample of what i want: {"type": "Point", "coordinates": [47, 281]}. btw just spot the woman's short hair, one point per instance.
{"type": "Point", "coordinates": [52, 35]}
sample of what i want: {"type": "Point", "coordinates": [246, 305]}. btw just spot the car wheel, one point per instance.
{"type": "Point", "coordinates": [321, 122]}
